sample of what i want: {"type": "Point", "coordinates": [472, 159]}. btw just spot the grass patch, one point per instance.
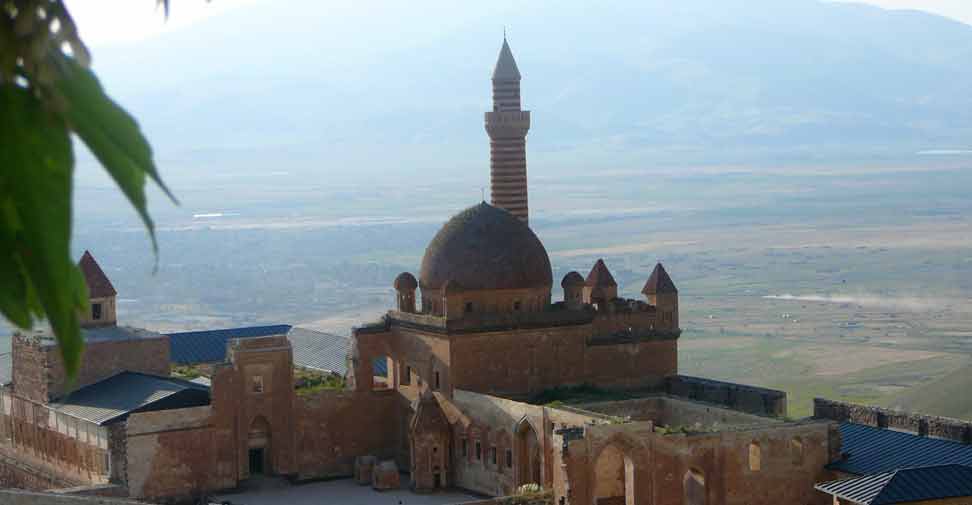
{"type": "Point", "coordinates": [187, 372]}
{"type": "Point", "coordinates": [311, 381]}
{"type": "Point", "coordinates": [572, 395]}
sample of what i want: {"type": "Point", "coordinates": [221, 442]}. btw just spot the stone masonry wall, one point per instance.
{"type": "Point", "coordinates": [751, 399]}
{"type": "Point", "coordinates": [28, 363]}
{"type": "Point", "coordinates": [920, 424]}
{"type": "Point", "coordinates": [16, 473]}
{"type": "Point", "coordinates": [789, 460]}
{"type": "Point", "coordinates": [17, 497]}
{"type": "Point", "coordinates": [101, 360]}
{"type": "Point", "coordinates": [333, 427]}
{"type": "Point", "coordinates": [177, 453]}
{"type": "Point", "coordinates": [73, 454]}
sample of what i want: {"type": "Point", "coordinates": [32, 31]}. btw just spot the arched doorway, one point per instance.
{"type": "Point", "coordinates": [528, 459]}
{"type": "Point", "coordinates": [613, 477]}
{"type": "Point", "coordinates": [258, 443]}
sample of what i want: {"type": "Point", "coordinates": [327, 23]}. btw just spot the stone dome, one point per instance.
{"type": "Point", "coordinates": [484, 247]}
{"type": "Point", "coordinates": [572, 279]}
{"type": "Point", "coordinates": [405, 282]}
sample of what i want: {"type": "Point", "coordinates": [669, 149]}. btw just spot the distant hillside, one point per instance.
{"type": "Point", "coordinates": [350, 89]}
{"type": "Point", "coordinates": [948, 396]}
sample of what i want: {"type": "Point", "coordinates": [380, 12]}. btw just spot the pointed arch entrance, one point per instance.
{"type": "Point", "coordinates": [258, 441]}
{"type": "Point", "coordinates": [528, 454]}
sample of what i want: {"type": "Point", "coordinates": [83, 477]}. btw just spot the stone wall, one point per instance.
{"type": "Point", "coordinates": [751, 399]}
{"type": "Point", "coordinates": [38, 372]}
{"type": "Point", "coordinates": [919, 424]}
{"type": "Point", "coordinates": [101, 360]}
{"type": "Point", "coordinates": [177, 454]}
{"type": "Point", "coordinates": [524, 362]}
{"type": "Point", "coordinates": [17, 497]}
{"type": "Point", "coordinates": [775, 465]}
{"type": "Point", "coordinates": [15, 472]}
{"type": "Point", "coordinates": [676, 412]}
{"type": "Point", "coordinates": [28, 362]}
{"type": "Point", "coordinates": [71, 449]}
{"type": "Point", "coordinates": [333, 427]}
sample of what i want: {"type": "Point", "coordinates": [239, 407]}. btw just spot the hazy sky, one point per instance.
{"type": "Point", "coordinates": [113, 21]}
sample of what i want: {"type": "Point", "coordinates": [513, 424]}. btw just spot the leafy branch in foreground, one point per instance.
{"type": "Point", "coordinates": [47, 92]}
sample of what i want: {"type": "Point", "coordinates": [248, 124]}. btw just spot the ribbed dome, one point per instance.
{"type": "Point", "coordinates": [484, 247]}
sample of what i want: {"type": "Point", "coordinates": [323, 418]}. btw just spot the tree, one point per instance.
{"type": "Point", "coordinates": [47, 93]}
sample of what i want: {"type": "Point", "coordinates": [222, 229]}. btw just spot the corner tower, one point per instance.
{"type": "Point", "coordinates": [507, 126]}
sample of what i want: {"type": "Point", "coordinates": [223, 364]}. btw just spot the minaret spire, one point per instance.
{"type": "Point", "coordinates": [507, 126]}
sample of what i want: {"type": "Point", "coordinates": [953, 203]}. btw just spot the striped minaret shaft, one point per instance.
{"type": "Point", "coordinates": [507, 126]}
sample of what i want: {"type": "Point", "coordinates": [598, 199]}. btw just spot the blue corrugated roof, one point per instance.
{"type": "Point", "coordinates": [127, 392]}
{"type": "Point", "coordinates": [905, 485]}
{"type": "Point", "coordinates": [869, 450]}
{"type": "Point", "coordinates": [209, 346]}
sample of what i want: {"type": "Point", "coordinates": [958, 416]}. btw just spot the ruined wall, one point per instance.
{"type": "Point", "coordinates": [68, 449]}
{"type": "Point", "coordinates": [38, 372]}
{"type": "Point", "coordinates": [920, 424]}
{"type": "Point", "coordinates": [177, 453]}
{"type": "Point", "coordinates": [505, 425]}
{"type": "Point", "coordinates": [752, 399]}
{"type": "Point", "coordinates": [28, 362]}
{"type": "Point", "coordinates": [710, 468]}
{"type": "Point", "coordinates": [333, 427]}
{"type": "Point", "coordinates": [100, 360]}
{"type": "Point", "coordinates": [674, 412]}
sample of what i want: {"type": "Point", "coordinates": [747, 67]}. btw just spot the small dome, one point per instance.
{"type": "Point", "coordinates": [484, 247]}
{"type": "Point", "coordinates": [572, 279]}
{"type": "Point", "coordinates": [405, 282]}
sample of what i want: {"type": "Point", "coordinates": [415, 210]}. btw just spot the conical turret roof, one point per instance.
{"type": "Point", "coordinates": [506, 69]}
{"type": "Point", "coordinates": [98, 284]}
{"type": "Point", "coordinates": [659, 282]}
{"type": "Point", "coordinates": [600, 276]}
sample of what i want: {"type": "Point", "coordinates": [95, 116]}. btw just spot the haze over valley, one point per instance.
{"type": "Point", "coordinates": [802, 168]}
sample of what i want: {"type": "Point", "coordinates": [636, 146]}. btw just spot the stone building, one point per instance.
{"type": "Point", "coordinates": [480, 377]}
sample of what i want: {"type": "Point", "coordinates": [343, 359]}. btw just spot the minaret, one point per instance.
{"type": "Point", "coordinates": [507, 126]}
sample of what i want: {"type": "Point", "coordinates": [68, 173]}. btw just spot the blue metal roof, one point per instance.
{"type": "Point", "coordinates": [869, 450]}
{"type": "Point", "coordinates": [209, 346]}
{"type": "Point", "coordinates": [126, 392]}
{"type": "Point", "coordinates": [904, 486]}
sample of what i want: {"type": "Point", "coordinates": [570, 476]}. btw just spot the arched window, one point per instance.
{"type": "Point", "coordinates": [693, 486]}
{"type": "Point", "coordinates": [755, 457]}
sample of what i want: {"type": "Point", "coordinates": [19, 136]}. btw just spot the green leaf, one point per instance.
{"type": "Point", "coordinates": [111, 134]}
{"type": "Point", "coordinates": [35, 226]}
